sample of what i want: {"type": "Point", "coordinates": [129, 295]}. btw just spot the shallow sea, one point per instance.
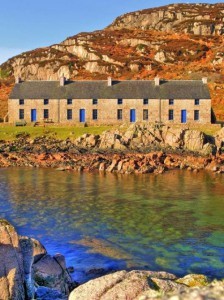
{"type": "Point", "coordinates": [172, 222]}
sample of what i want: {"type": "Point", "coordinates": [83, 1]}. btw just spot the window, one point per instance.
{"type": "Point", "coordinates": [21, 114]}
{"type": "Point", "coordinates": [170, 114]}
{"type": "Point", "coordinates": [196, 115]}
{"type": "Point", "coordinates": [95, 114]}
{"type": "Point", "coordinates": [196, 102]}
{"type": "Point", "coordinates": [95, 101]}
{"type": "Point", "coordinates": [21, 101]}
{"type": "Point", "coordinates": [46, 101]}
{"type": "Point", "coordinates": [69, 114]}
{"type": "Point", "coordinates": [69, 101]}
{"type": "Point", "coordinates": [145, 114]}
{"type": "Point", "coordinates": [119, 114]}
{"type": "Point", "coordinates": [119, 101]}
{"type": "Point", "coordinates": [171, 102]}
{"type": "Point", "coordinates": [46, 113]}
{"type": "Point", "coordinates": [145, 101]}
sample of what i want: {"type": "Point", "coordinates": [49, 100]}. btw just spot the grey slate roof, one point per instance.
{"type": "Point", "coordinates": [133, 89]}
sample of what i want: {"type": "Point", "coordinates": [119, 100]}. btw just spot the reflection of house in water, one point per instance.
{"type": "Point", "coordinates": [110, 101]}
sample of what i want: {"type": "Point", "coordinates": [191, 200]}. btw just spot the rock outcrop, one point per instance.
{"type": "Point", "coordinates": [139, 149]}
{"type": "Point", "coordinates": [143, 136]}
{"type": "Point", "coordinates": [126, 285]}
{"type": "Point", "coordinates": [27, 270]}
{"type": "Point", "coordinates": [186, 18]}
{"type": "Point", "coordinates": [143, 285]}
{"type": "Point", "coordinates": [11, 264]}
{"type": "Point", "coordinates": [32, 251]}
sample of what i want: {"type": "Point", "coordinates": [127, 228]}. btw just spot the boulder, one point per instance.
{"type": "Point", "coordinates": [219, 139]}
{"type": "Point", "coordinates": [11, 264]}
{"type": "Point", "coordinates": [50, 272]}
{"type": "Point", "coordinates": [194, 140]}
{"type": "Point", "coordinates": [173, 137]}
{"type": "Point", "coordinates": [208, 149]}
{"type": "Point", "coordinates": [119, 146]}
{"type": "Point", "coordinates": [32, 251]}
{"type": "Point", "coordinates": [127, 285]}
{"type": "Point", "coordinates": [25, 264]}
{"type": "Point", "coordinates": [107, 140]}
{"type": "Point", "coordinates": [92, 140]}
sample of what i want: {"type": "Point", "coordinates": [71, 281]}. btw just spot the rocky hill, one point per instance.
{"type": "Point", "coordinates": [180, 41]}
{"type": "Point", "coordinates": [200, 19]}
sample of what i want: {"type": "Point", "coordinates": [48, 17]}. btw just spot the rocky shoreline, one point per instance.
{"type": "Point", "coordinates": [140, 149]}
{"type": "Point", "coordinates": [29, 272]}
{"type": "Point", "coordinates": [128, 163]}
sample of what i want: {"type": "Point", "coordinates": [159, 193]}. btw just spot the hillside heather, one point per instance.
{"type": "Point", "coordinates": [179, 41]}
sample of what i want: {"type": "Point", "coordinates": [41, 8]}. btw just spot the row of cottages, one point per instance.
{"type": "Point", "coordinates": [110, 101]}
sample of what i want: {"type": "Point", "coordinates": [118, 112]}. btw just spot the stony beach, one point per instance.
{"type": "Point", "coordinates": [140, 149]}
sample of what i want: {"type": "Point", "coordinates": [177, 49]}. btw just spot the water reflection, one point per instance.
{"type": "Point", "coordinates": [172, 222]}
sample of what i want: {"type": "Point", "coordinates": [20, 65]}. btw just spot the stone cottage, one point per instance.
{"type": "Point", "coordinates": [111, 101]}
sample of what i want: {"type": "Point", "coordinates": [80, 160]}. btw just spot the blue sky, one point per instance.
{"type": "Point", "coordinates": [29, 24]}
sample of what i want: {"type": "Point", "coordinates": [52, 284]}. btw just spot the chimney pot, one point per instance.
{"type": "Point", "coordinates": [157, 81]}
{"type": "Point", "coordinates": [109, 81]}
{"type": "Point", "coordinates": [205, 80]}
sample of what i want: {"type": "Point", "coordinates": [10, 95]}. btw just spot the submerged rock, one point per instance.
{"type": "Point", "coordinates": [45, 293]}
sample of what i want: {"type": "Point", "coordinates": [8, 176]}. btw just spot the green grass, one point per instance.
{"type": "Point", "coordinates": [9, 132]}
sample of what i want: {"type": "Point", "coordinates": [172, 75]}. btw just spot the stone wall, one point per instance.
{"type": "Point", "coordinates": [107, 110]}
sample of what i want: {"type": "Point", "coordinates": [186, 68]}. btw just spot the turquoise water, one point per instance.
{"type": "Point", "coordinates": [172, 222]}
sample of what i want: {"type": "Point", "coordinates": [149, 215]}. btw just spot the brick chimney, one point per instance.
{"type": "Point", "coordinates": [109, 81]}
{"type": "Point", "coordinates": [62, 80]}
{"type": "Point", "coordinates": [205, 80]}
{"type": "Point", "coordinates": [17, 79]}
{"type": "Point", "coordinates": [157, 81]}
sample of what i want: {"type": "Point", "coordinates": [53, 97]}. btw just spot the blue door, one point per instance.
{"type": "Point", "coordinates": [33, 115]}
{"type": "Point", "coordinates": [82, 115]}
{"type": "Point", "coordinates": [183, 116]}
{"type": "Point", "coordinates": [132, 115]}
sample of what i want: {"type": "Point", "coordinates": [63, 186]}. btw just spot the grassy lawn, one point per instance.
{"type": "Point", "coordinates": [9, 132]}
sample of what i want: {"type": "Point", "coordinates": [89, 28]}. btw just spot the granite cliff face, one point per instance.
{"type": "Point", "coordinates": [181, 41]}
{"type": "Point", "coordinates": [200, 19]}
